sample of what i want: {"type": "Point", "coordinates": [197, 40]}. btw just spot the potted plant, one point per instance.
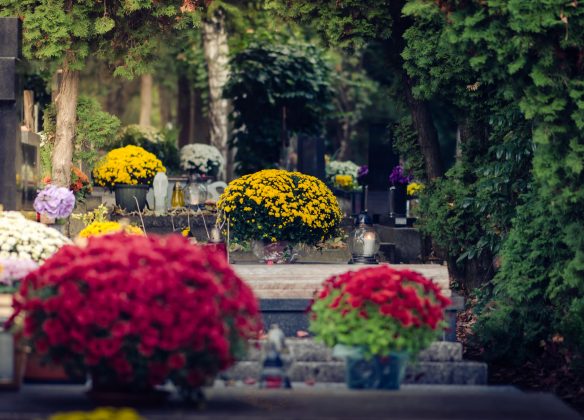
{"type": "Point", "coordinates": [278, 209]}
{"type": "Point", "coordinates": [129, 171]}
{"type": "Point", "coordinates": [135, 311]}
{"type": "Point", "coordinates": [201, 159]}
{"type": "Point", "coordinates": [378, 318]}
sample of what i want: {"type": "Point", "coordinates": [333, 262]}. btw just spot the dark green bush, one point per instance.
{"type": "Point", "coordinates": [149, 138]}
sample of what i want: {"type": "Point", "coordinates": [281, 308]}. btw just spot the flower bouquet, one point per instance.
{"type": "Point", "coordinates": [276, 205]}
{"type": "Point", "coordinates": [378, 314]}
{"type": "Point", "coordinates": [342, 175]}
{"type": "Point", "coordinates": [414, 188]}
{"type": "Point", "coordinates": [80, 185]}
{"type": "Point", "coordinates": [398, 177]}
{"type": "Point", "coordinates": [54, 202]}
{"type": "Point", "coordinates": [201, 159]}
{"type": "Point", "coordinates": [363, 175]}
{"type": "Point", "coordinates": [135, 311]}
{"type": "Point", "coordinates": [24, 239]}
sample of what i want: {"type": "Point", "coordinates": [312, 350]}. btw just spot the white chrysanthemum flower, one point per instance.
{"type": "Point", "coordinates": [201, 158]}
{"type": "Point", "coordinates": [22, 238]}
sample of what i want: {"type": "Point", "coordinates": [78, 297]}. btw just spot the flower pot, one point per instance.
{"type": "Point", "coordinates": [131, 197]}
{"type": "Point", "coordinates": [376, 373]}
{"type": "Point", "coordinates": [280, 252]}
{"type": "Point", "coordinates": [36, 371]}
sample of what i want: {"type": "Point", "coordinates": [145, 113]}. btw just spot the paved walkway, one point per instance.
{"type": "Point", "coordinates": [412, 402]}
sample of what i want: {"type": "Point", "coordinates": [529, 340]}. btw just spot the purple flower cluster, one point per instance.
{"type": "Point", "coordinates": [397, 176]}
{"type": "Point", "coordinates": [13, 269]}
{"type": "Point", "coordinates": [56, 202]}
{"type": "Point", "coordinates": [362, 171]}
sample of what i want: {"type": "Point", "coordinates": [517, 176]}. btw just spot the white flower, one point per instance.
{"type": "Point", "coordinates": [336, 167]}
{"type": "Point", "coordinates": [22, 238]}
{"type": "Point", "coordinates": [200, 157]}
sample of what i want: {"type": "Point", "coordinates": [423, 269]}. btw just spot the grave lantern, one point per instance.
{"type": "Point", "coordinates": [363, 241]}
{"type": "Point", "coordinates": [197, 191]}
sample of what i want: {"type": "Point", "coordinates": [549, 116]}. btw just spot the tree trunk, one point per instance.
{"type": "Point", "coordinates": [421, 116]}
{"type": "Point", "coordinates": [216, 56]}
{"type": "Point", "coordinates": [165, 101]}
{"type": "Point", "coordinates": [66, 104]}
{"type": "Point", "coordinates": [345, 143]}
{"type": "Point", "coordinates": [183, 112]}
{"type": "Point", "coordinates": [427, 135]}
{"type": "Point", "coordinates": [145, 99]}
{"type": "Point", "coordinates": [201, 121]}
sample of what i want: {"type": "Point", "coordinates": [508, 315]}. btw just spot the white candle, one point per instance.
{"type": "Point", "coordinates": [369, 244]}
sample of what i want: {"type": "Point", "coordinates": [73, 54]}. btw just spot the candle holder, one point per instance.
{"type": "Point", "coordinates": [363, 241]}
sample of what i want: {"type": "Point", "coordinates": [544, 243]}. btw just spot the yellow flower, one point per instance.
{"type": "Point", "coordinates": [287, 206]}
{"type": "Point", "coordinates": [414, 188]}
{"type": "Point", "coordinates": [127, 165]}
{"type": "Point", "coordinates": [104, 228]}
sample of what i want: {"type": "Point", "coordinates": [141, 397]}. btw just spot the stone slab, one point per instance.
{"type": "Point", "coordinates": [408, 242]}
{"type": "Point", "coordinates": [325, 402]}
{"type": "Point", "coordinates": [310, 350]}
{"type": "Point", "coordinates": [300, 281]}
{"type": "Point", "coordinates": [429, 373]}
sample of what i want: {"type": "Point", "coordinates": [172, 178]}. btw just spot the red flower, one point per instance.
{"type": "Point", "coordinates": [381, 294]}
{"type": "Point", "coordinates": [140, 307]}
{"type": "Point", "coordinates": [177, 361]}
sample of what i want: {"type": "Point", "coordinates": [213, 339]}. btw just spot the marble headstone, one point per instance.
{"type": "Point", "coordinates": [160, 191]}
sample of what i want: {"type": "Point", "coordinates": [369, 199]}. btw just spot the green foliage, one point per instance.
{"type": "Point", "coordinates": [153, 141]}
{"type": "Point", "coordinates": [468, 213]}
{"type": "Point", "coordinates": [529, 54]}
{"type": "Point", "coordinates": [405, 143]}
{"type": "Point", "coordinates": [522, 313]}
{"type": "Point", "coordinates": [266, 82]}
{"type": "Point", "coordinates": [345, 22]}
{"type": "Point", "coordinates": [94, 130]}
{"type": "Point", "coordinates": [123, 33]}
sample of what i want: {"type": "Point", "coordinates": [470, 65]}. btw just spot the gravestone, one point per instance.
{"type": "Point", "coordinates": [10, 106]}
{"type": "Point", "coordinates": [382, 159]}
{"type": "Point", "coordinates": [311, 156]}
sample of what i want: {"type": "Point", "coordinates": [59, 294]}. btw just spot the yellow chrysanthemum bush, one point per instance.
{"type": "Point", "coordinates": [127, 165]}
{"type": "Point", "coordinates": [99, 228]}
{"type": "Point", "coordinates": [277, 205]}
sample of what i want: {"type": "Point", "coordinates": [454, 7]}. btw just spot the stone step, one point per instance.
{"type": "Point", "coordinates": [428, 373]}
{"type": "Point", "coordinates": [308, 350]}
{"type": "Point", "coordinates": [300, 281]}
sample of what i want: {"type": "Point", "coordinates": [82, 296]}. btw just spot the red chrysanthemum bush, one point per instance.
{"type": "Point", "coordinates": [380, 310]}
{"type": "Point", "coordinates": [138, 310]}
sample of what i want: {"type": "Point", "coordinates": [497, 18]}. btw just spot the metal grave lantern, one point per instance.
{"type": "Point", "coordinates": [363, 241]}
